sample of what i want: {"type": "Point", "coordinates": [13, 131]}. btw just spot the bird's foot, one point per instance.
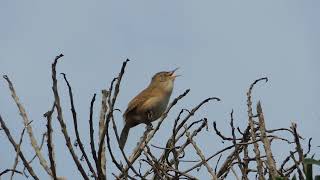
{"type": "Point", "coordinates": [149, 127]}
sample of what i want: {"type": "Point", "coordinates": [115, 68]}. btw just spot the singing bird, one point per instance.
{"type": "Point", "coordinates": [149, 104]}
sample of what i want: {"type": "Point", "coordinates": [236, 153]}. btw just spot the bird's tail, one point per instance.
{"type": "Point", "coordinates": [124, 136]}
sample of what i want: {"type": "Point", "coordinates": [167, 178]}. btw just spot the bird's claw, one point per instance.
{"type": "Point", "coordinates": [149, 127]}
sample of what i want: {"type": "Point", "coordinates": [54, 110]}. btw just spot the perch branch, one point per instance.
{"type": "Point", "coordinates": [148, 136]}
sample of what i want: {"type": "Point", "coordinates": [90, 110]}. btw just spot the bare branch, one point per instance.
{"type": "Point", "coordinates": [220, 134]}
{"type": "Point", "coordinates": [235, 174]}
{"type": "Point", "coordinates": [253, 135]}
{"type": "Point", "coordinates": [309, 147]}
{"type": "Point", "coordinates": [243, 171]}
{"type": "Point", "coordinates": [26, 121]}
{"type": "Point", "coordinates": [17, 153]}
{"type": "Point", "coordinates": [298, 145]}
{"type": "Point", "coordinates": [34, 157]}
{"type": "Point", "coordinates": [266, 143]}
{"type": "Point", "coordinates": [192, 112]}
{"type": "Point", "coordinates": [92, 143]}
{"type": "Point", "coordinates": [75, 123]}
{"type": "Point", "coordinates": [201, 155]}
{"type": "Point", "coordinates": [176, 129]}
{"type": "Point", "coordinates": [207, 159]}
{"type": "Point", "coordinates": [168, 163]}
{"type": "Point", "coordinates": [111, 104]}
{"type": "Point", "coordinates": [50, 145]}
{"type": "Point", "coordinates": [15, 145]}
{"type": "Point", "coordinates": [60, 118]}
{"type": "Point", "coordinates": [219, 158]}
{"type": "Point", "coordinates": [122, 151]}
{"type": "Point", "coordinates": [103, 111]}
{"type": "Point", "coordinates": [301, 177]}
{"type": "Point", "coordinates": [10, 170]}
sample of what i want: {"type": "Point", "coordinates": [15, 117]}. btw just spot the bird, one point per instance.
{"type": "Point", "coordinates": [149, 104]}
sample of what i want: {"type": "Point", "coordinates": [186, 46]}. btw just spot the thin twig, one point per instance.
{"type": "Point", "coordinates": [298, 145]}
{"type": "Point", "coordinates": [17, 153]}
{"type": "Point", "coordinates": [15, 145]}
{"type": "Point", "coordinates": [201, 155]}
{"type": "Point", "coordinates": [193, 111]}
{"type": "Point", "coordinates": [286, 160]}
{"type": "Point", "coordinates": [309, 147]}
{"type": "Point", "coordinates": [122, 151]}
{"type": "Point", "coordinates": [301, 177]}
{"type": "Point", "coordinates": [190, 114]}
{"type": "Point", "coordinates": [207, 159]}
{"type": "Point", "coordinates": [119, 166]}
{"type": "Point", "coordinates": [60, 118]}
{"type": "Point", "coordinates": [92, 143]}
{"type": "Point", "coordinates": [220, 134]}
{"type": "Point", "coordinates": [34, 157]}
{"type": "Point", "coordinates": [10, 170]}
{"type": "Point", "coordinates": [219, 158]}
{"type": "Point", "coordinates": [244, 175]}
{"type": "Point", "coordinates": [50, 145]}
{"type": "Point", "coordinates": [154, 163]}
{"type": "Point", "coordinates": [75, 123]}
{"type": "Point", "coordinates": [194, 133]}
{"type": "Point", "coordinates": [235, 174]}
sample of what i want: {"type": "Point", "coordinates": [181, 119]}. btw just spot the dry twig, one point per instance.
{"type": "Point", "coordinates": [50, 145]}
{"type": "Point", "coordinates": [60, 118]}
{"type": "Point", "coordinates": [26, 121]}
{"type": "Point", "coordinates": [15, 145]}
{"type": "Point", "coordinates": [75, 123]}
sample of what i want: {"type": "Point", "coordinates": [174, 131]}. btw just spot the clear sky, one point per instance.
{"type": "Point", "coordinates": [220, 47]}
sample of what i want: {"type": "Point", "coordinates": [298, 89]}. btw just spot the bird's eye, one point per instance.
{"type": "Point", "coordinates": [162, 78]}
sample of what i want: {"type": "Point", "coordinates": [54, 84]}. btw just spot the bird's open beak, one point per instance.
{"type": "Point", "coordinates": [173, 75]}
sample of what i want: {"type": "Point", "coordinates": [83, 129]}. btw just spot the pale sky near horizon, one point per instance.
{"type": "Point", "coordinates": [220, 46]}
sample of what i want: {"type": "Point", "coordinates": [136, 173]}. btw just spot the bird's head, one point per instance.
{"type": "Point", "coordinates": [164, 79]}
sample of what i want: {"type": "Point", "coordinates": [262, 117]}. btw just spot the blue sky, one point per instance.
{"type": "Point", "coordinates": [220, 47]}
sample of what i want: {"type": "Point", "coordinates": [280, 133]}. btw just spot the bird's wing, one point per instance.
{"type": "Point", "coordinates": [150, 103]}
{"type": "Point", "coordinates": [135, 102]}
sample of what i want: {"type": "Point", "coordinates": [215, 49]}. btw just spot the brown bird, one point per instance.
{"type": "Point", "coordinates": [149, 104]}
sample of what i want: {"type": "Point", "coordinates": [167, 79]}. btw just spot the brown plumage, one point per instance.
{"type": "Point", "coordinates": [149, 104]}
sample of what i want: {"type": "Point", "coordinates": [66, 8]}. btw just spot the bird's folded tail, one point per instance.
{"type": "Point", "coordinates": [124, 136]}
